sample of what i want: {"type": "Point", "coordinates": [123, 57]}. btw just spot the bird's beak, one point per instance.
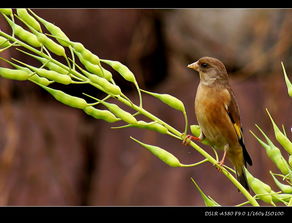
{"type": "Point", "coordinates": [194, 66]}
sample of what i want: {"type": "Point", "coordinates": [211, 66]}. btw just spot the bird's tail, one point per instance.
{"type": "Point", "coordinates": [239, 163]}
{"type": "Point", "coordinates": [241, 177]}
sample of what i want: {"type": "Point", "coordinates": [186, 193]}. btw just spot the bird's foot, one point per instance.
{"type": "Point", "coordinates": [188, 138]}
{"type": "Point", "coordinates": [221, 162]}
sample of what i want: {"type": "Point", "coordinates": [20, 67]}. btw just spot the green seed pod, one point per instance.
{"type": "Point", "coordinates": [14, 74]}
{"type": "Point", "coordinates": [209, 202]}
{"type": "Point", "coordinates": [85, 53]}
{"type": "Point", "coordinates": [100, 114]}
{"type": "Point", "coordinates": [260, 188]}
{"type": "Point", "coordinates": [106, 86]}
{"type": "Point", "coordinates": [281, 138]}
{"type": "Point", "coordinates": [52, 75]}
{"type": "Point", "coordinates": [122, 70]}
{"type": "Point", "coordinates": [160, 153]}
{"type": "Point", "coordinates": [281, 197]}
{"type": "Point", "coordinates": [274, 153]}
{"type": "Point", "coordinates": [6, 11]}
{"type": "Point", "coordinates": [290, 160]}
{"type": "Point", "coordinates": [51, 45]}
{"type": "Point", "coordinates": [66, 99]}
{"type": "Point", "coordinates": [120, 113]}
{"type": "Point", "coordinates": [288, 82]}
{"type": "Point", "coordinates": [23, 14]}
{"type": "Point", "coordinates": [40, 80]}
{"type": "Point", "coordinates": [283, 187]}
{"type": "Point", "coordinates": [154, 126]}
{"type": "Point", "coordinates": [95, 69]}
{"type": "Point", "coordinates": [169, 100]}
{"type": "Point", "coordinates": [4, 42]}
{"type": "Point", "coordinates": [23, 34]}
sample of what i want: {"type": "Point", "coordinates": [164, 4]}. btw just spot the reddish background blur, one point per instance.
{"type": "Point", "coordinates": [56, 155]}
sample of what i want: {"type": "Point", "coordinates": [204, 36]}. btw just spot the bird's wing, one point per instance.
{"type": "Point", "coordinates": [233, 113]}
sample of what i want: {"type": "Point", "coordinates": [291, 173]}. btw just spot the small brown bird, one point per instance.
{"type": "Point", "coordinates": [218, 114]}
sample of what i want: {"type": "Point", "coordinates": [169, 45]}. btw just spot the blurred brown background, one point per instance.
{"type": "Point", "coordinates": [55, 155]}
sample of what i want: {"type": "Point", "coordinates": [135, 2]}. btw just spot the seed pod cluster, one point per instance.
{"type": "Point", "coordinates": [160, 153]}
{"type": "Point", "coordinates": [260, 188]}
{"type": "Point", "coordinates": [281, 138]}
{"type": "Point", "coordinates": [274, 153]}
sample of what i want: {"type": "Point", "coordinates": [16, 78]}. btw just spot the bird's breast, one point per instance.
{"type": "Point", "coordinates": [212, 115]}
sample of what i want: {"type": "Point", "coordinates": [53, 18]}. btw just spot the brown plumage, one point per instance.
{"type": "Point", "coordinates": [218, 114]}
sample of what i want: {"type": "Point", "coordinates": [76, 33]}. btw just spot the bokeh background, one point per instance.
{"type": "Point", "coordinates": [51, 154]}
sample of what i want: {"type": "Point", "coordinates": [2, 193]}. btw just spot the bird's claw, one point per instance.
{"type": "Point", "coordinates": [188, 138]}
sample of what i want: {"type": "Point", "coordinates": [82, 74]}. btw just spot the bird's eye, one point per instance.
{"type": "Point", "coordinates": [204, 65]}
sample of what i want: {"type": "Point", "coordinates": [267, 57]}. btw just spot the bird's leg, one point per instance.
{"type": "Point", "coordinates": [187, 139]}
{"type": "Point", "coordinates": [221, 163]}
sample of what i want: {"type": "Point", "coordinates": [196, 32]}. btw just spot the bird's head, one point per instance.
{"type": "Point", "coordinates": [211, 70]}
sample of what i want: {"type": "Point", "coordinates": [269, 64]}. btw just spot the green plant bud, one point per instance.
{"type": "Point", "coordinates": [169, 100]}
{"type": "Point", "coordinates": [4, 42]}
{"type": "Point", "coordinates": [40, 80]}
{"type": "Point", "coordinates": [19, 75]}
{"type": "Point", "coordinates": [23, 14]}
{"type": "Point", "coordinates": [151, 126]}
{"type": "Point", "coordinates": [107, 86]}
{"type": "Point", "coordinates": [196, 131]}
{"type": "Point", "coordinates": [66, 99]}
{"type": "Point", "coordinates": [120, 113]}
{"type": "Point", "coordinates": [100, 114]}
{"type": "Point", "coordinates": [160, 153]}
{"type": "Point", "coordinates": [51, 45]}
{"type": "Point", "coordinates": [95, 69]}
{"type": "Point", "coordinates": [283, 187]}
{"type": "Point", "coordinates": [260, 188]}
{"type": "Point", "coordinates": [209, 202]}
{"type": "Point", "coordinates": [6, 11]}
{"type": "Point", "coordinates": [122, 70]}
{"type": "Point", "coordinates": [281, 138]}
{"type": "Point", "coordinates": [288, 82]}
{"type": "Point", "coordinates": [274, 153]}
